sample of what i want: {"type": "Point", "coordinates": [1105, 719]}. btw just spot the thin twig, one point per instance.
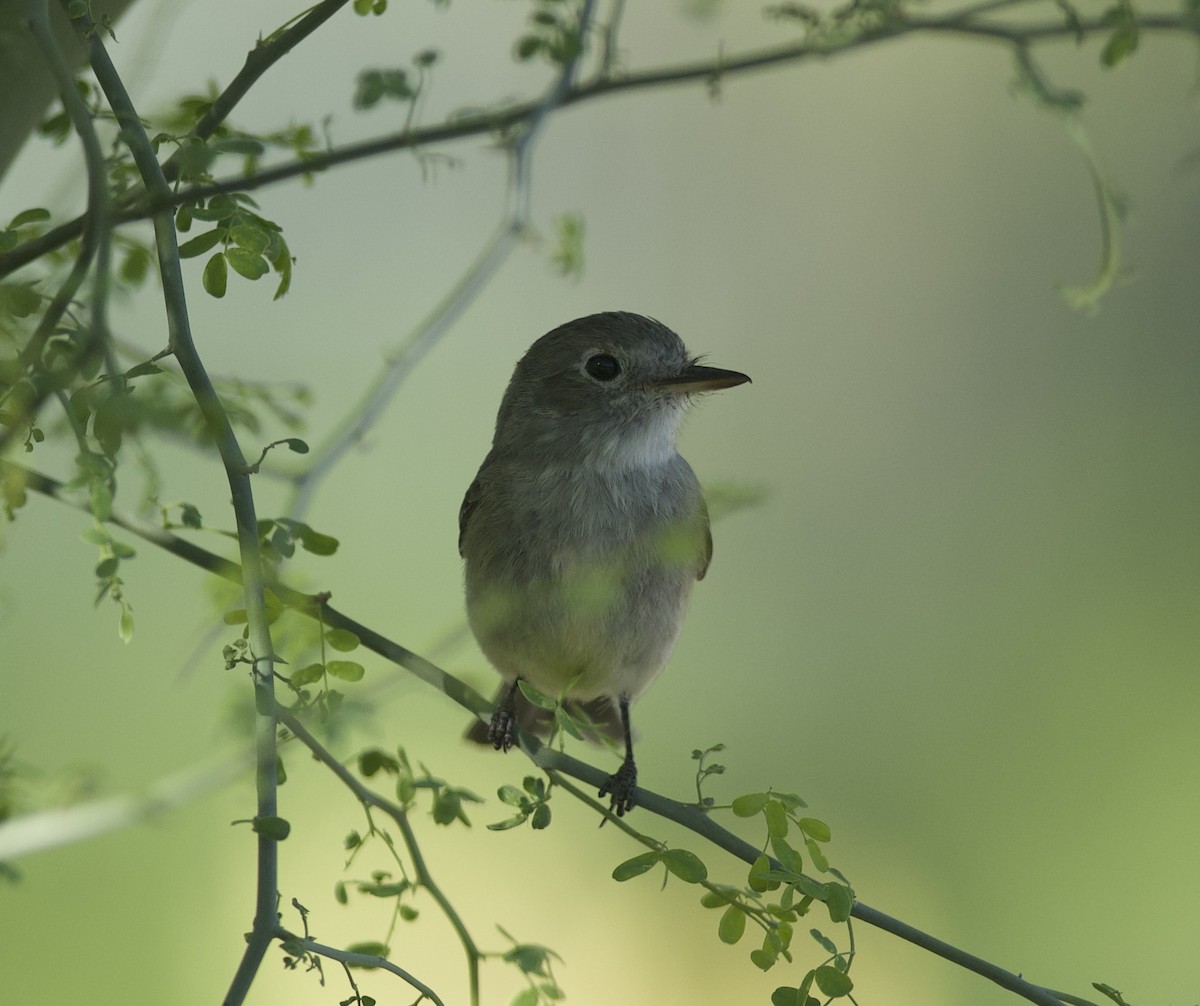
{"type": "Point", "coordinates": [358, 960]}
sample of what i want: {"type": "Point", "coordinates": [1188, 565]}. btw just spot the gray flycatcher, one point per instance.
{"type": "Point", "coordinates": [584, 529]}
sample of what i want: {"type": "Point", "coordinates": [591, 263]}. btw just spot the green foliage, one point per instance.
{"type": "Point", "coordinates": [532, 803]}
{"type": "Point", "coordinates": [112, 553]}
{"type": "Point", "coordinates": [400, 84]}
{"type": "Point", "coordinates": [554, 33]}
{"type": "Point", "coordinates": [249, 244]}
{"type": "Point", "coordinates": [684, 865]}
{"type": "Point", "coordinates": [704, 769]}
{"type": "Point", "coordinates": [778, 871]}
{"type": "Point", "coordinates": [536, 964]}
{"type": "Point", "coordinates": [272, 827]}
{"type": "Point", "coordinates": [567, 256]}
{"type": "Point", "coordinates": [1125, 36]}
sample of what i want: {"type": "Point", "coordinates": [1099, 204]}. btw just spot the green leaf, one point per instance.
{"type": "Point", "coordinates": [345, 670]}
{"type": "Point", "coordinates": [788, 857]}
{"type": "Point", "coordinates": [374, 760]}
{"type": "Point", "coordinates": [369, 949]}
{"type": "Point", "coordinates": [528, 46]}
{"type": "Point", "coordinates": [817, 855]}
{"type": "Point", "coordinates": [776, 817]}
{"type": "Point", "coordinates": [832, 982]}
{"type": "Point", "coordinates": [815, 829]}
{"type": "Point", "coordinates": [342, 639]}
{"type": "Point", "coordinates": [566, 723]}
{"type": "Point", "coordinates": [717, 899]}
{"type": "Point", "coordinates": [216, 276]}
{"type": "Point", "coordinates": [541, 817]}
{"type": "Point", "coordinates": [31, 216]}
{"type": "Point", "coordinates": [125, 625]}
{"type": "Point", "coordinates": [317, 543]}
{"type": "Point", "coordinates": [784, 996]}
{"type": "Point", "coordinates": [749, 804]}
{"type": "Point", "coordinates": [636, 866]}
{"type": "Point", "coordinates": [106, 567]}
{"type": "Point", "coordinates": [200, 243]}
{"type": "Point", "coordinates": [824, 941]}
{"type": "Point", "coordinates": [757, 880]}
{"type": "Point", "coordinates": [839, 901]}
{"type": "Point", "coordinates": [1121, 44]}
{"type": "Point", "coordinates": [309, 675]}
{"type": "Point", "coordinates": [511, 795]}
{"type": "Point", "coordinates": [534, 696]}
{"type": "Point", "coordinates": [687, 866]}
{"type": "Point", "coordinates": [529, 957]}
{"type": "Point", "coordinates": [528, 996]}
{"type": "Point", "coordinates": [245, 263]}
{"type": "Point", "coordinates": [732, 926]}
{"type": "Point", "coordinates": [19, 299]}
{"type": "Point", "coordinates": [509, 822]}
{"type": "Point", "coordinates": [296, 445]}
{"type": "Point", "coordinates": [272, 827]}
{"type": "Point", "coordinates": [189, 515]}
{"type": "Point", "coordinates": [251, 237]}
{"type": "Point", "coordinates": [763, 959]}
{"type": "Point", "coordinates": [100, 494]}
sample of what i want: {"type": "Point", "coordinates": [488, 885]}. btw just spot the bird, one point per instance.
{"type": "Point", "coordinates": [584, 529]}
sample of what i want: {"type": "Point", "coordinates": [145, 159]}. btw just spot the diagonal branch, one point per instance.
{"type": "Point", "coordinates": [353, 959]}
{"type": "Point", "coordinates": [688, 816]}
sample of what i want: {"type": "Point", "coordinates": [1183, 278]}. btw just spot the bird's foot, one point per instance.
{"type": "Point", "coordinates": [622, 785]}
{"type": "Point", "coordinates": [502, 728]}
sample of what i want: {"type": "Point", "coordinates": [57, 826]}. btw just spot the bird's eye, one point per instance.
{"type": "Point", "coordinates": [602, 367]}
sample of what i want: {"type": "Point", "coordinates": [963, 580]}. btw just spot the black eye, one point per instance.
{"type": "Point", "coordinates": [602, 367]}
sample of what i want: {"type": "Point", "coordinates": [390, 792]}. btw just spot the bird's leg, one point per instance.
{"type": "Point", "coordinates": [622, 784]}
{"type": "Point", "coordinates": [502, 729]}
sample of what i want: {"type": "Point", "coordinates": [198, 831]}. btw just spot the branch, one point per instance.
{"type": "Point", "coordinates": [217, 421]}
{"type": "Point", "coordinates": [513, 223]}
{"type": "Point", "coordinates": [258, 61]}
{"type": "Point", "coordinates": [369, 797]}
{"type": "Point", "coordinates": [358, 960]}
{"type": "Point", "coordinates": [48, 829]}
{"type": "Point", "coordinates": [689, 816]}
{"type": "Point", "coordinates": [96, 221]}
{"type": "Point", "coordinates": [517, 115]}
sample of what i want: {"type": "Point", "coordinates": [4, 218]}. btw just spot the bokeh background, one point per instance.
{"type": "Point", "coordinates": [962, 621]}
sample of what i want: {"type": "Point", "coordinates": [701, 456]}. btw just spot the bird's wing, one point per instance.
{"type": "Point", "coordinates": [469, 504]}
{"type": "Point", "coordinates": [703, 568]}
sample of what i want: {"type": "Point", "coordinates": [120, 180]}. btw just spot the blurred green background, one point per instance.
{"type": "Point", "coordinates": [962, 624]}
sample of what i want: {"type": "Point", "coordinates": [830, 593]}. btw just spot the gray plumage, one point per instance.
{"type": "Point", "coordinates": [584, 529]}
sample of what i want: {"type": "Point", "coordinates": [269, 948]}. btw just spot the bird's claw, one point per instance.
{"type": "Point", "coordinates": [622, 785]}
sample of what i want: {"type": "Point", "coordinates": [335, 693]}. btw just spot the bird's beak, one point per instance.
{"type": "Point", "coordinates": [696, 378]}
